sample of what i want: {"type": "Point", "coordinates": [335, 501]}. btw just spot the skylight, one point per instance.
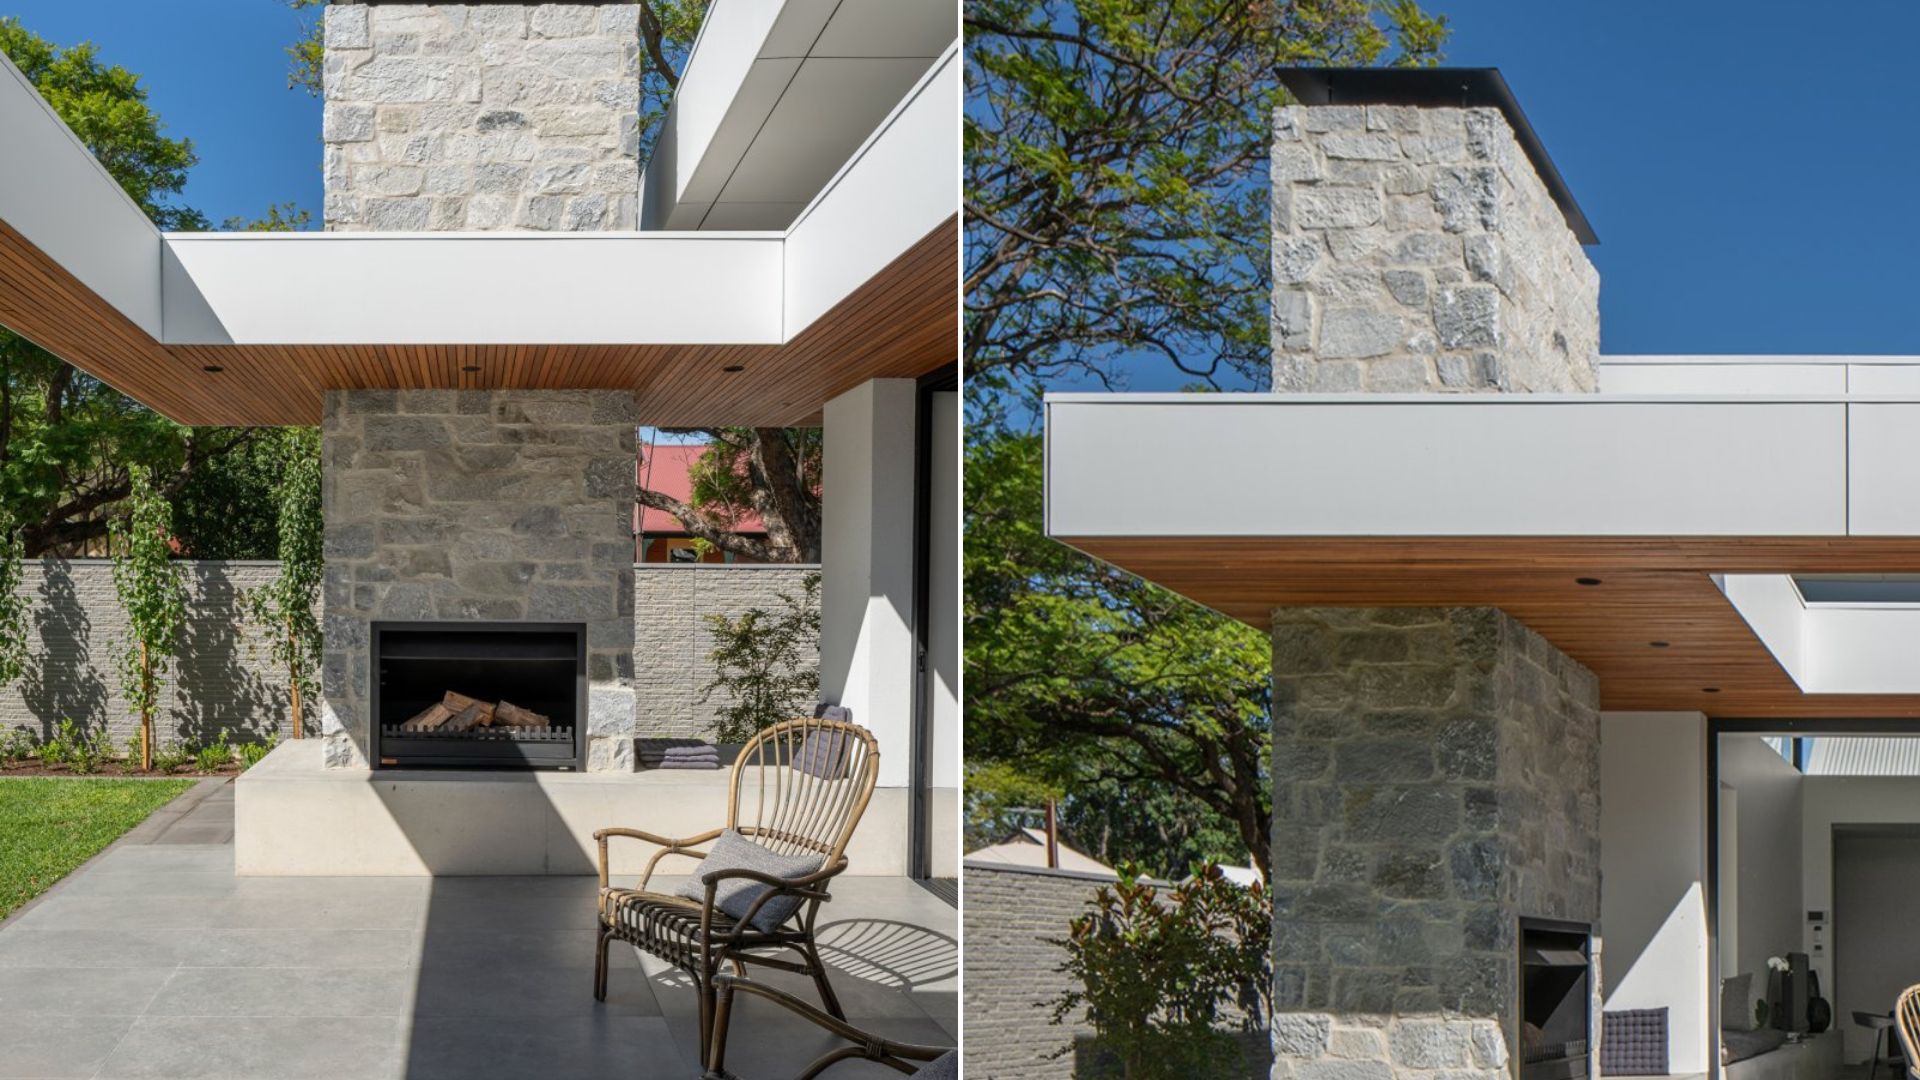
{"type": "Point", "coordinates": [1897, 589]}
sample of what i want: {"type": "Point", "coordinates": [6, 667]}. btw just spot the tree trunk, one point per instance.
{"type": "Point", "coordinates": [293, 678]}
{"type": "Point", "coordinates": [146, 710]}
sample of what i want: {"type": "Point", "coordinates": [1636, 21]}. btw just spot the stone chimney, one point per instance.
{"type": "Point", "coordinates": [1418, 247]}
{"type": "Point", "coordinates": [482, 116]}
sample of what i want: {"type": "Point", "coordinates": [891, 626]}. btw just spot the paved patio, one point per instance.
{"type": "Point", "coordinates": [154, 961]}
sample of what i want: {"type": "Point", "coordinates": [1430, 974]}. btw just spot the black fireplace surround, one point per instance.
{"type": "Point", "coordinates": [537, 666]}
{"type": "Point", "coordinates": [1556, 999]}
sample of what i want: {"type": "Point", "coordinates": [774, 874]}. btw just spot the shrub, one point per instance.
{"type": "Point", "coordinates": [252, 752]}
{"type": "Point", "coordinates": [764, 662]}
{"type": "Point", "coordinates": [16, 745]}
{"type": "Point", "coordinates": [73, 747]}
{"type": "Point", "coordinates": [170, 757]}
{"type": "Point", "coordinates": [1158, 971]}
{"type": "Point", "coordinates": [214, 755]}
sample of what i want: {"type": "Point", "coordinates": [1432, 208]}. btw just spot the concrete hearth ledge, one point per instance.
{"type": "Point", "coordinates": [293, 817]}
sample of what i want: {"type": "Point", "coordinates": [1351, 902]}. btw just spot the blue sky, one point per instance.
{"type": "Point", "coordinates": [216, 72]}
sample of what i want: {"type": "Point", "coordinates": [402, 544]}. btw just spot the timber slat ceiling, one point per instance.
{"type": "Point", "coordinates": [1651, 589]}
{"type": "Point", "coordinates": [903, 322]}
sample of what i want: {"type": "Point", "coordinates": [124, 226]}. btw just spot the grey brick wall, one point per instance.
{"type": "Point", "coordinates": [671, 638]}
{"type": "Point", "coordinates": [223, 679]}
{"type": "Point", "coordinates": [1007, 917]}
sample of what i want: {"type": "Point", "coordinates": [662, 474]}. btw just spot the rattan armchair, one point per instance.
{"type": "Point", "coordinates": [1906, 1021]}
{"type": "Point", "coordinates": [862, 1045]}
{"type": "Point", "coordinates": [799, 787]}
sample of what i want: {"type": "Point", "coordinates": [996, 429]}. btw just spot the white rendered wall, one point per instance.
{"type": "Point", "coordinates": [1653, 861]}
{"type": "Point", "coordinates": [1768, 845]}
{"type": "Point", "coordinates": [866, 565]}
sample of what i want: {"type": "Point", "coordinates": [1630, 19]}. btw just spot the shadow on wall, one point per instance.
{"type": "Point", "coordinates": [63, 679]}
{"type": "Point", "coordinates": [217, 685]}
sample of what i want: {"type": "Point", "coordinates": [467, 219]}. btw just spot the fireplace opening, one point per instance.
{"type": "Point", "coordinates": [478, 695]}
{"type": "Point", "coordinates": [1556, 999]}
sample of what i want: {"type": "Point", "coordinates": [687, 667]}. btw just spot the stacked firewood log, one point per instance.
{"type": "Point", "coordinates": [457, 712]}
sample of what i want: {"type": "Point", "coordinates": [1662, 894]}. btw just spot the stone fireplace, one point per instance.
{"type": "Point", "coordinates": [479, 507]}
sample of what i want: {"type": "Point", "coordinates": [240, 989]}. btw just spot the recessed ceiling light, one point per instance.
{"type": "Point", "coordinates": [471, 368]}
{"type": "Point", "coordinates": [1586, 581]}
{"type": "Point", "coordinates": [213, 369]}
{"type": "Point", "coordinates": [1709, 689]}
{"type": "Point", "coordinates": [1657, 644]}
{"type": "Point", "coordinates": [733, 368]}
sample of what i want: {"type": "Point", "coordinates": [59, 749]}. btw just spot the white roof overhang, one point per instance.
{"type": "Point", "coordinates": [612, 288]}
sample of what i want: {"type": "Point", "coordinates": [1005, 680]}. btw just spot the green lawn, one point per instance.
{"type": "Point", "coordinates": [50, 824]}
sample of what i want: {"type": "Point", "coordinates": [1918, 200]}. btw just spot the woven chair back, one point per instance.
{"type": "Point", "coordinates": [802, 785]}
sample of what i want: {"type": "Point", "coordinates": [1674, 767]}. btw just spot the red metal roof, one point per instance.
{"type": "Point", "coordinates": [665, 469]}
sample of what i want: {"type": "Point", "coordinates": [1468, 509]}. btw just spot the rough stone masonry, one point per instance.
{"type": "Point", "coordinates": [1436, 777]}
{"type": "Point", "coordinates": [1415, 249]}
{"type": "Point", "coordinates": [482, 116]}
{"type": "Point", "coordinates": [479, 505]}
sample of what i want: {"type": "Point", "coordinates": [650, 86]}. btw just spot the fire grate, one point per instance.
{"type": "Point", "coordinates": [488, 734]}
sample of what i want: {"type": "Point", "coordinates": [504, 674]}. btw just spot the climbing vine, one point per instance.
{"type": "Point", "coordinates": [286, 608]}
{"type": "Point", "coordinates": [153, 595]}
{"type": "Point", "coordinates": [13, 606]}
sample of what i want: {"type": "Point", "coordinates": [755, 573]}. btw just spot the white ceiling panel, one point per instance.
{"type": "Point", "coordinates": [829, 109]}
{"type": "Point", "coordinates": [879, 28]}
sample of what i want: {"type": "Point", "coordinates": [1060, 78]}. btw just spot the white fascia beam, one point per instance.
{"type": "Point", "coordinates": [53, 193]}
{"type": "Point", "coordinates": [1533, 465]}
{"type": "Point", "coordinates": [483, 288]}
{"type": "Point", "coordinates": [1830, 648]}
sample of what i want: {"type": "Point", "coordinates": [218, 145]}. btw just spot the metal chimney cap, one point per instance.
{"type": "Point", "coordinates": [1438, 87]}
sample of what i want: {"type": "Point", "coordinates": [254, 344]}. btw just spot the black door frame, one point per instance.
{"type": "Point", "coordinates": [920, 812]}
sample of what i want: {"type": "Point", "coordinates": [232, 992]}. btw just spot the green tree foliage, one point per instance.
{"type": "Point", "coordinates": [764, 662]}
{"type": "Point", "coordinates": [13, 606]}
{"type": "Point", "coordinates": [66, 439]}
{"type": "Point", "coordinates": [306, 57]}
{"type": "Point", "coordinates": [773, 473]}
{"type": "Point", "coordinates": [153, 596]}
{"type": "Point", "coordinates": [287, 609]}
{"type": "Point", "coordinates": [1159, 968]}
{"type": "Point", "coordinates": [230, 507]}
{"type": "Point", "coordinates": [1115, 175]}
{"type": "Point", "coordinates": [1088, 680]}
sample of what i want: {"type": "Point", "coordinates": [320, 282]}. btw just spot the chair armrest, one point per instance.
{"type": "Point", "coordinates": [873, 1047]}
{"type": "Point", "coordinates": [667, 845]}
{"type": "Point", "coordinates": [801, 886]}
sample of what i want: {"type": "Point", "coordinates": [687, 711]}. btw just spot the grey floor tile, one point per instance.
{"type": "Point", "coordinates": [163, 885]}
{"type": "Point", "coordinates": [771, 1044]}
{"type": "Point", "coordinates": [588, 1046]}
{"type": "Point", "coordinates": [57, 1046]}
{"type": "Point", "coordinates": [302, 948]}
{"type": "Point", "coordinates": [100, 947]}
{"type": "Point", "coordinates": [535, 949]}
{"type": "Point", "coordinates": [270, 992]}
{"type": "Point", "coordinates": [222, 913]}
{"type": "Point", "coordinates": [284, 1048]}
{"type": "Point", "coordinates": [70, 991]}
{"type": "Point", "coordinates": [165, 858]}
{"type": "Point", "coordinates": [475, 988]}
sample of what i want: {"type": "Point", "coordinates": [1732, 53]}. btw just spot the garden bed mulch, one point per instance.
{"type": "Point", "coordinates": [116, 770]}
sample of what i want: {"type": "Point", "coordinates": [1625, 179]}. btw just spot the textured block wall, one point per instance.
{"type": "Point", "coordinates": [1436, 777]}
{"type": "Point", "coordinates": [1415, 249]}
{"type": "Point", "coordinates": [1008, 918]}
{"type": "Point", "coordinates": [482, 116]}
{"type": "Point", "coordinates": [671, 604]}
{"type": "Point", "coordinates": [479, 505]}
{"type": "Point", "coordinates": [227, 683]}
{"type": "Point", "coordinates": [223, 679]}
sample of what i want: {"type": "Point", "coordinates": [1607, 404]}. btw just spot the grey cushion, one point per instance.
{"type": "Point", "coordinates": [825, 754]}
{"type": "Point", "coordinates": [733, 851]}
{"type": "Point", "coordinates": [944, 1067]}
{"type": "Point", "coordinates": [1736, 1003]}
{"type": "Point", "coordinates": [1633, 1042]}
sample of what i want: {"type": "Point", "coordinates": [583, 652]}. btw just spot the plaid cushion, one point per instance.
{"type": "Point", "coordinates": [1633, 1042]}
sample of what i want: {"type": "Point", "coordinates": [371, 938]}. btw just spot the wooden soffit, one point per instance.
{"type": "Point", "coordinates": [1650, 589]}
